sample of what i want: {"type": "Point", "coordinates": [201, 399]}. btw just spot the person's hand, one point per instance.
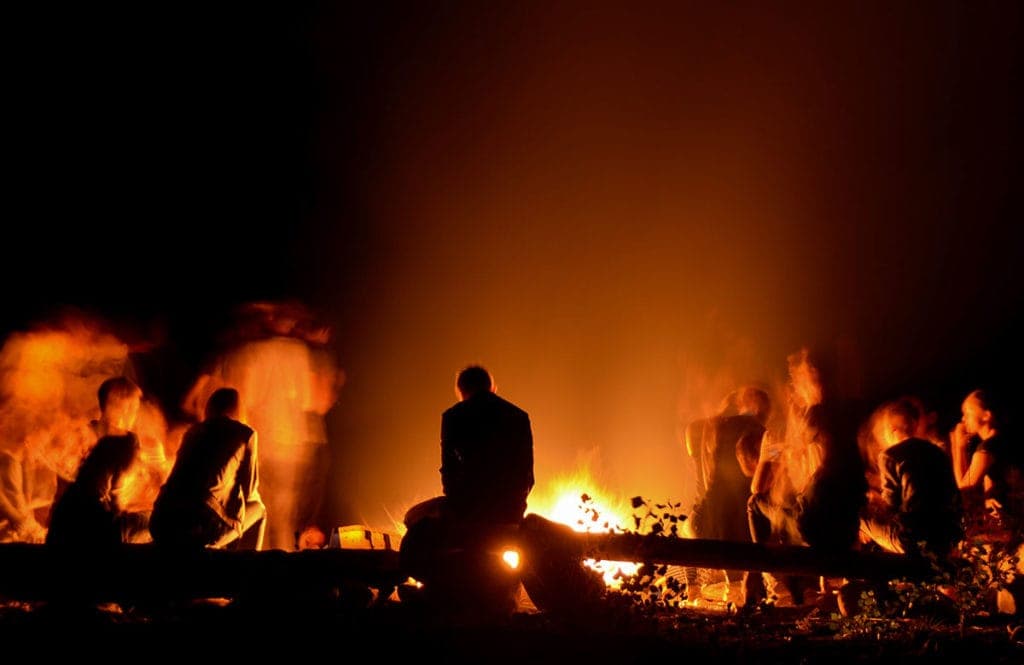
{"type": "Point", "coordinates": [959, 437]}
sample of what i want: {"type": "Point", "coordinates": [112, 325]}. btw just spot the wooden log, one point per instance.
{"type": "Point", "coordinates": [136, 573]}
{"type": "Point", "coordinates": [543, 536]}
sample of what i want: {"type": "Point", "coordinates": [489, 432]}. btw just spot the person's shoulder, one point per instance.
{"type": "Point", "coordinates": [914, 447]}
{"type": "Point", "coordinates": [509, 406]}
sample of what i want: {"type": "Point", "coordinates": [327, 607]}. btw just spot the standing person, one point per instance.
{"type": "Point", "coordinates": [90, 514]}
{"type": "Point", "coordinates": [808, 488]}
{"type": "Point", "coordinates": [211, 498]}
{"type": "Point", "coordinates": [730, 445]}
{"type": "Point", "coordinates": [277, 362]}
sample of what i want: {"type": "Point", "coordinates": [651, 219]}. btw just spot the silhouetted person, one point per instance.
{"type": "Point", "coordinates": [730, 447]}
{"type": "Point", "coordinates": [211, 498]}
{"type": "Point", "coordinates": [698, 437]}
{"type": "Point", "coordinates": [486, 453]}
{"type": "Point", "coordinates": [919, 510]}
{"type": "Point", "coordinates": [90, 514]}
{"type": "Point", "coordinates": [486, 475]}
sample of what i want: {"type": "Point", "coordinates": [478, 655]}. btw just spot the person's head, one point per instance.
{"type": "Point", "coordinates": [755, 402]}
{"type": "Point", "coordinates": [472, 380]}
{"type": "Point", "coordinates": [119, 400]}
{"type": "Point", "coordinates": [925, 418]}
{"type": "Point", "coordinates": [899, 422]}
{"type": "Point", "coordinates": [224, 402]}
{"type": "Point", "coordinates": [978, 413]}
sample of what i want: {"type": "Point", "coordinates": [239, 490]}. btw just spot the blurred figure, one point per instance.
{"type": "Point", "coordinates": [729, 446]}
{"type": "Point", "coordinates": [918, 510]}
{"type": "Point", "coordinates": [809, 486]}
{"type": "Point", "coordinates": [91, 515]}
{"type": "Point", "coordinates": [987, 464]}
{"type": "Point", "coordinates": [280, 362]}
{"type": "Point", "coordinates": [697, 437]}
{"type": "Point", "coordinates": [871, 438]}
{"type": "Point", "coordinates": [22, 494]}
{"type": "Point", "coordinates": [49, 376]}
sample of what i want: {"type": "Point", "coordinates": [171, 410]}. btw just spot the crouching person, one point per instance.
{"type": "Point", "coordinates": [920, 511]}
{"type": "Point", "coordinates": [211, 498]}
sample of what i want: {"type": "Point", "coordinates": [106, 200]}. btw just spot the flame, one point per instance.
{"type": "Point", "coordinates": [576, 501]}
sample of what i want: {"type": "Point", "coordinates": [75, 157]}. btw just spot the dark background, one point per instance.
{"type": "Point", "coordinates": [621, 211]}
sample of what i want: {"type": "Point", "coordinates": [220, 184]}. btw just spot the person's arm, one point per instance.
{"type": "Point", "coordinates": [892, 483]}
{"type": "Point", "coordinates": [692, 437]}
{"type": "Point", "coordinates": [767, 467]}
{"type": "Point", "coordinates": [969, 470]}
{"type": "Point", "coordinates": [748, 453]}
{"type": "Point", "coordinates": [451, 458]}
{"type": "Point", "coordinates": [249, 472]}
{"type": "Point", "coordinates": [526, 461]}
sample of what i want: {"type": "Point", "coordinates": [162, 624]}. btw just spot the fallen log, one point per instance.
{"type": "Point", "coordinates": [553, 553]}
{"type": "Point", "coordinates": [137, 573]}
{"type": "Point", "coordinates": [546, 538]}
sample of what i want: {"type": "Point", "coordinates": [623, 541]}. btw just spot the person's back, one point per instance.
{"type": "Point", "coordinates": [487, 461]}
{"type": "Point", "coordinates": [737, 441]}
{"type": "Point", "coordinates": [211, 495]}
{"type": "Point", "coordinates": [918, 483]}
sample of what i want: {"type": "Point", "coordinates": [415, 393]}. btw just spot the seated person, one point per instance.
{"type": "Point", "coordinates": [919, 511]}
{"type": "Point", "coordinates": [90, 513]}
{"type": "Point", "coordinates": [988, 466]}
{"type": "Point", "coordinates": [211, 498]}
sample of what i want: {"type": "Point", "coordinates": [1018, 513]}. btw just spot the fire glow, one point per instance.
{"type": "Point", "coordinates": [573, 501]}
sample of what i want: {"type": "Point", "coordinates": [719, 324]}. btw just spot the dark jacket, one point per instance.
{"type": "Point", "coordinates": [215, 474]}
{"type": "Point", "coordinates": [919, 487]}
{"type": "Point", "coordinates": [486, 458]}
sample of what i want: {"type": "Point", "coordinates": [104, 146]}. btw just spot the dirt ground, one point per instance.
{"type": "Point", "coordinates": [710, 630]}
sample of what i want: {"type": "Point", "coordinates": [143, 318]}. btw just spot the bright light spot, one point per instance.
{"type": "Point", "coordinates": [511, 558]}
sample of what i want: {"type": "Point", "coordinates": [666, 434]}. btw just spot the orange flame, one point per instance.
{"type": "Point", "coordinates": [577, 502]}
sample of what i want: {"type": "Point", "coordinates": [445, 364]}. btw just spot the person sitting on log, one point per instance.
{"type": "Point", "coordinates": [90, 514]}
{"type": "Point", "coordinates": [486, 477]}
{"type": "Point", "coordinates": [989, 467]}
{"type": "Point", "coordinates": [919, 511]}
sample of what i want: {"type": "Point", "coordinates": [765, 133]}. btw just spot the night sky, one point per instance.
{"type": "Point", "coordinates": [622, 210]}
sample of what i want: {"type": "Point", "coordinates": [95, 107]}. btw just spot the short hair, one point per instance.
{"type": "Point", "coordinates": [117, 388]}
{"type": "Point", "coordinates": [223, 402]}
{"type": "Point", "coordinates": [474, 379]}
{"type": "Point", "coordinates": [902, 415]}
